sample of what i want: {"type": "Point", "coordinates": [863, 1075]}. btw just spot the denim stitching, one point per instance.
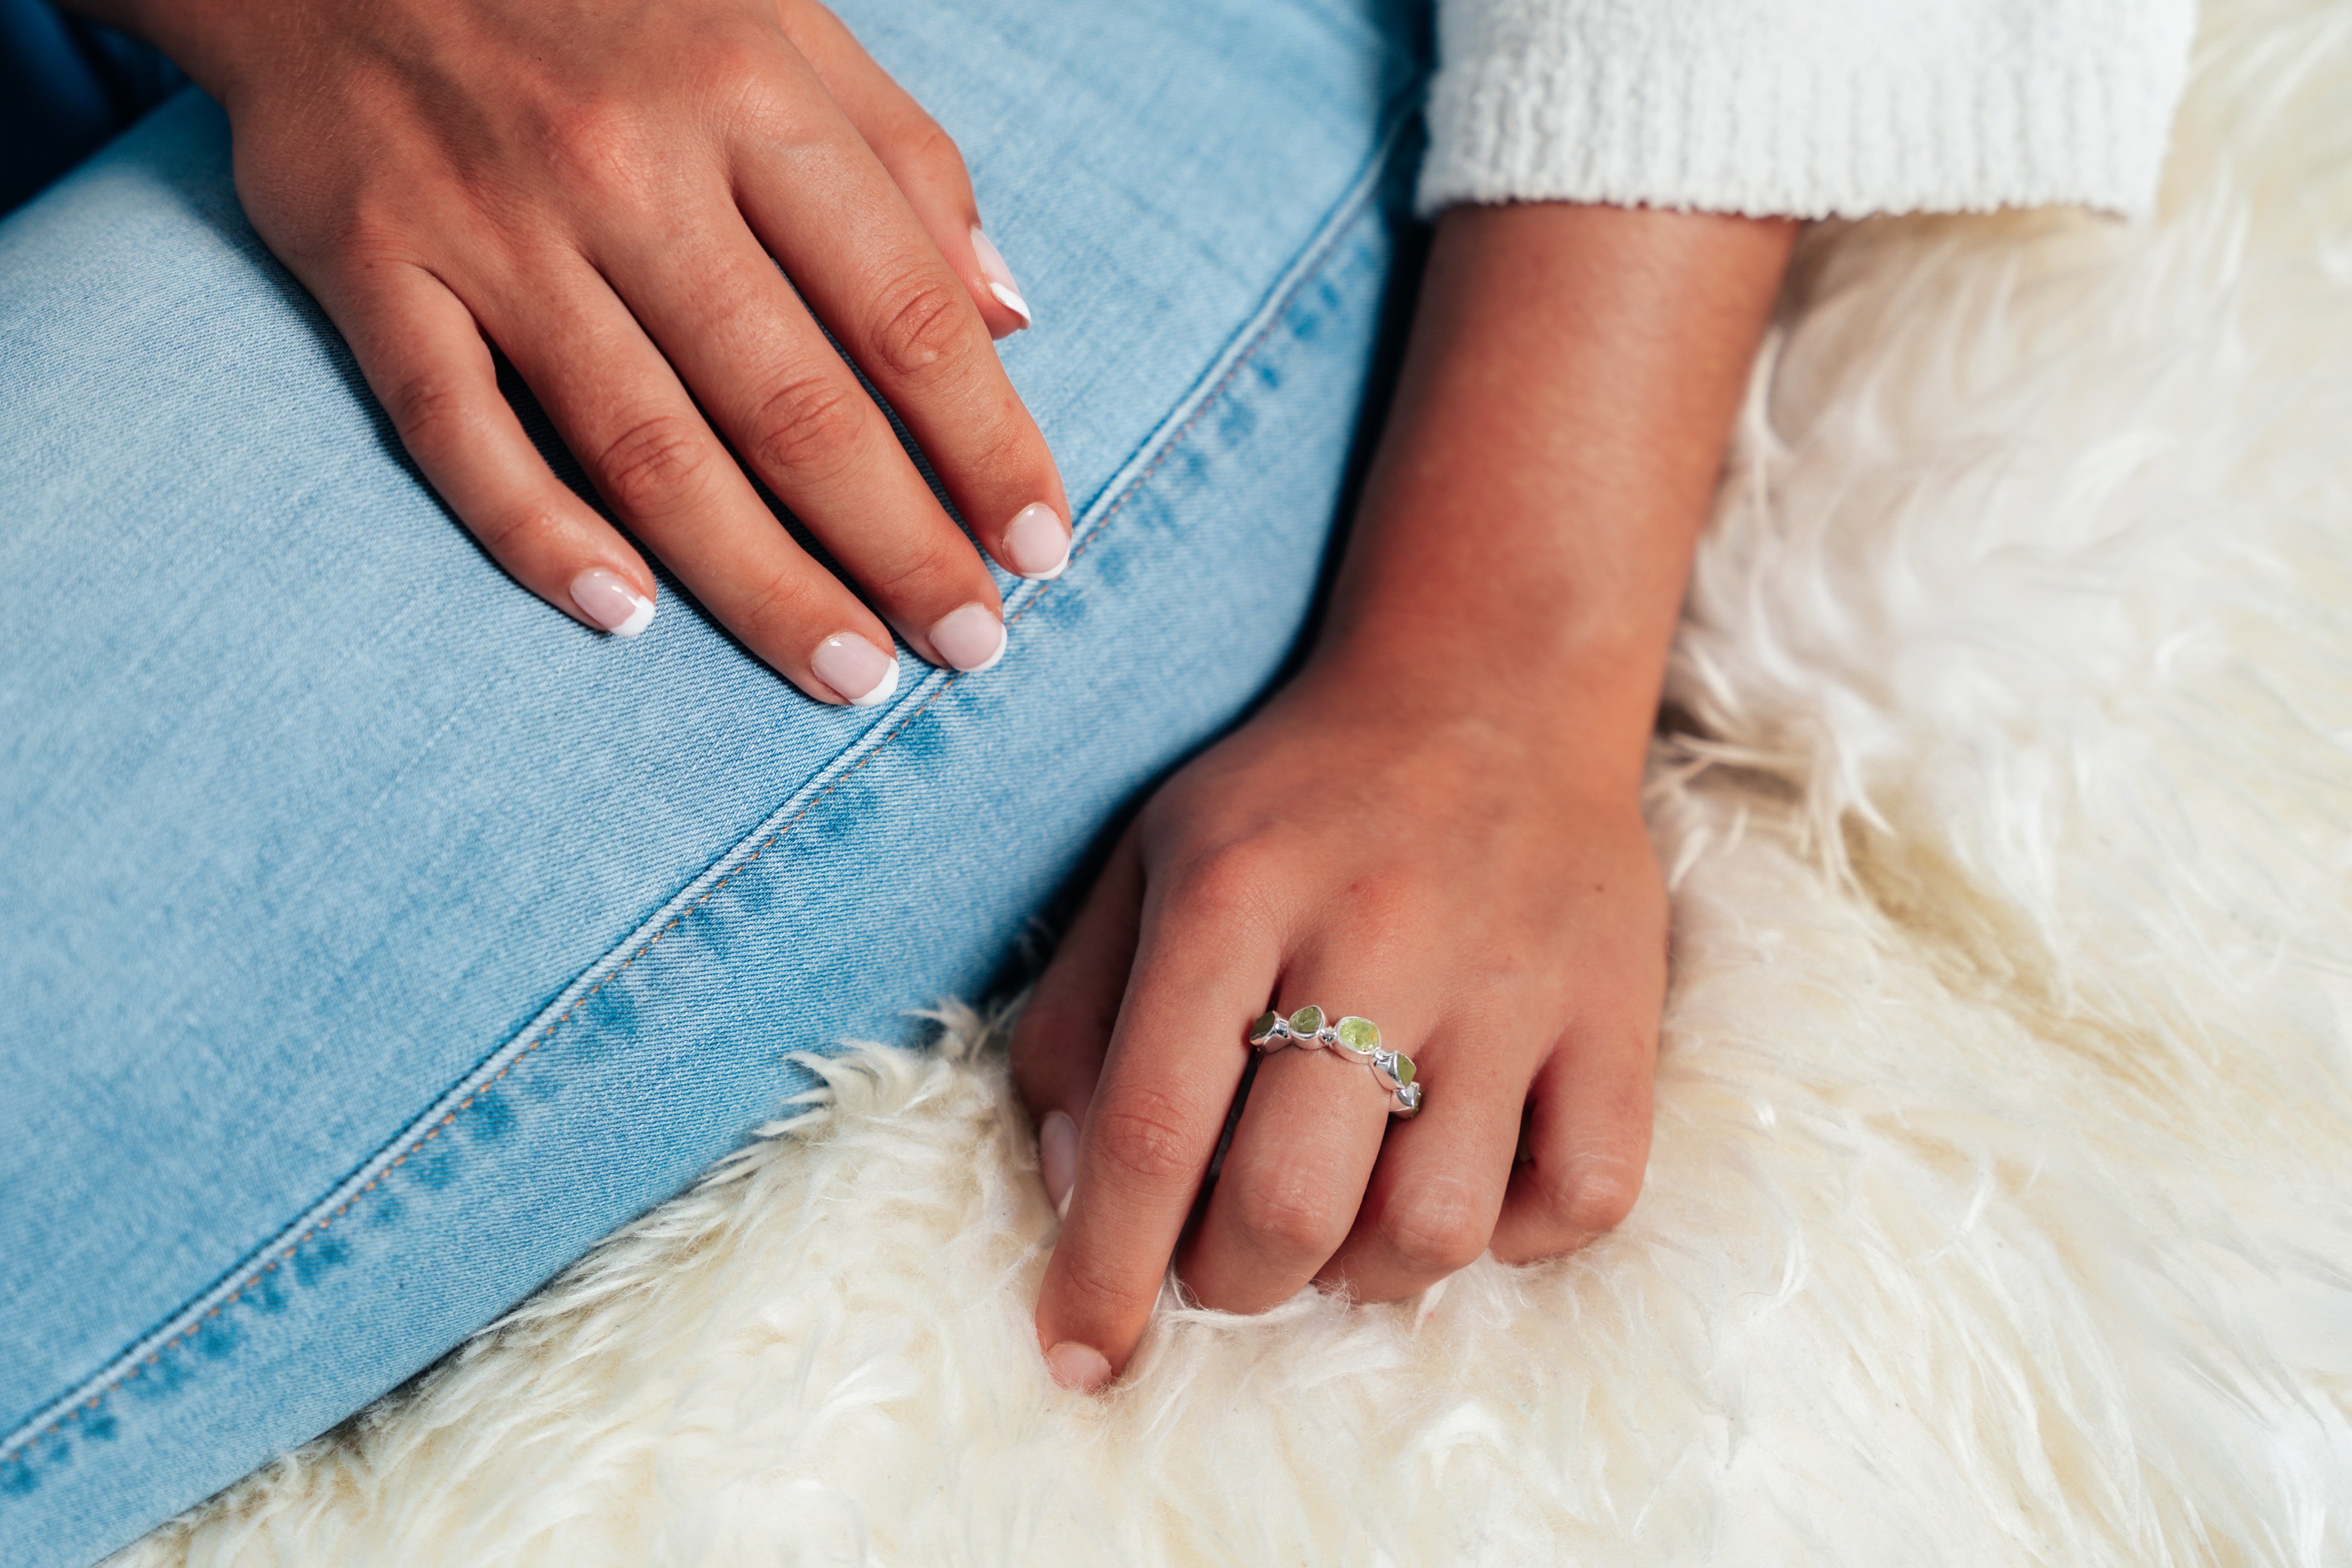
{"type": "Point", "coordinates": [1310, 263]}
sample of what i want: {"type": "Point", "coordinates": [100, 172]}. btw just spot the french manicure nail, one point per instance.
{"type": "Point", "coordinates": [863, 674]}
{"type": "Point", "coordinates": [1078, 1366]}
{"type": "Point", "coordinates": [1038, 542]}
{"type": "Point", "coordinates": [971, 639]}
{"type": "Point", "coordinates": [1057, 1158]}
{"type": "Point", "coordinates": [999, 277]}
{"type": "Point", "coordinates": [606, 598]}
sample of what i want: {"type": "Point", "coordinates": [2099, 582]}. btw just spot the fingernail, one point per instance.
{"type": "Point", "coordinates": [999, 277]}
{"type": "Point", "coordinates": [1078, 1366]}
{"type": "Point", "coordinates": [971, 639]}
{"type": "Point", "coordinates": [1036, 542]}
{"type": "Point", "coordinates": [606, 598]}
{"type": "Point", "coordinates": [1057, 1157]}
{"type": "Point", "coordinates": [863, 674]}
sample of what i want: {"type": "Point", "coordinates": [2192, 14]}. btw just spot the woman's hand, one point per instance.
{"type": "Point", "coordinates": [598, 187]}
{"type": "Point", "coordinates": [1436, 826]}
{"type": "Point", "coordinates": [1466, 875]}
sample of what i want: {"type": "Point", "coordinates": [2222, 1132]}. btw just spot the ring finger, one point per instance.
{"type": "Point", "coordinates": [1301, 1155]}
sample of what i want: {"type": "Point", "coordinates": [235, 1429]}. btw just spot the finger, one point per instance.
{"type": "Point", "coordinates": [819, 200]}
{"type": "Point", "coordinates": [426, 361]}
{"type": "Point", "coordinates": [732, 327]}
{"type": "Point", "coordinates": [1058, 1048]}
{"type": "Point", "coordinates": [1589, 1139]}
{"type": "Point", "coordinates": [1294, 1178]}
{"type": "Point", "coordinates": [1204, 964]}
{"type": "Point", "coordinates": [621, 410]}
{"type": "Point", "coordinates": [1432, 1204]}
{"type": "Point", "coordinates": [921, 158]}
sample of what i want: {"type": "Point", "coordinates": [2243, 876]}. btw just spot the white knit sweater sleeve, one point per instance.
{"type": "Point", "coordinates": [1805, 107]}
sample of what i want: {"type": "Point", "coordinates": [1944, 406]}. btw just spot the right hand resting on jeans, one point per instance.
{"type": "Point", "coordinates": [597, 187]}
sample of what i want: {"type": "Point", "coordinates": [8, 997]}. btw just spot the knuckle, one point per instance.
{"type": "Point", "coordinates": [809, 427]}
{"type": "Point", "coordinates": [1436, 1228]}
{"type": "Point", "coordinates": [1228, 886]}
{"type": "Point", "coordinates": [919, 324]}
{"type": "Point", "coordinates": [929, 145]}
{"type": "Point", "coordinates": [770, 612]}
{"type": "Point", "coordinates": [1143, 1139]}
{"type": "Point", "coordinates": [506, 531]}
{"type": "Point", "coordinates": [930, 562]}
{"type": "Point", "coordinates": [434, 415]}
{"type": "Point", "coordinates": [600, 142]}
{"type": "Point", "coordinates": [652, 466]}
{"type": "Point", "coordinates": [1095, 1282]}
{"type": "Point", "coordinates": [1595, 1194]}
{"type": "Point", "coordinates": [1288, 1217]}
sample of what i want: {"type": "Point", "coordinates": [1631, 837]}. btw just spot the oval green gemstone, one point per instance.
{"type": "Point", "coordinates": [1403, 1071]}
{"type": "Point", "coordinates": [1360, 1034]}
{"type": "Point", "coordinates": [1265, 1025]}
{"type": "Point", "coordinates": [1307, 1020]}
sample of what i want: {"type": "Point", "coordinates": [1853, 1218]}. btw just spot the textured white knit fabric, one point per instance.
{"type": "Point", "coordinates": [1805, 107]}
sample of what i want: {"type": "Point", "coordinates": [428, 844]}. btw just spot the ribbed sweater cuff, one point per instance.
{"type": "Point", "coordinates": [1760, 131]}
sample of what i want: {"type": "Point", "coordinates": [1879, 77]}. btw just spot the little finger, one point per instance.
{"type": "Point", "coordinates": [426, 360]}
{"type": "Point", "coordinates": [1589, 1142]}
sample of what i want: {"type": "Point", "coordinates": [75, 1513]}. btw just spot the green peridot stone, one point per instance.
{"type": "Point", "coordinates": [1307, 1020]}
{"type": "Point", "coordinates": [1360, 1034]}
{"type": "Point", "coordinates": [1403, 1071]}
{"type": "Point", "coordinates": [1264, 1026]}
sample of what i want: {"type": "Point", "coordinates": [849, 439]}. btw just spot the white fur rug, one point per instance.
{"type": "Point", "coordinates": [2001, 1204]}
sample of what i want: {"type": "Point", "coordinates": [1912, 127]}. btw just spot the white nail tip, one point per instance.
{"type": "Point", "coordinates": [1013, 302]}
{"type": "Point", "coordinates": [1004, 640]}
{"type": "Point", "coordinates": [1060, 567]}
{"type": "Point", "coordinates": [638, 619]}
{"type": "Point", "coordinates": [883, 691]}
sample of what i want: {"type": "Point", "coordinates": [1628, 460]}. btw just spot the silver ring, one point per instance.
{"type": "Point", "coordinates": [1355, 1039]}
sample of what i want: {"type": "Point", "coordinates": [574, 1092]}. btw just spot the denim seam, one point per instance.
{"type": "Point", "coordinates": [1150, 454]}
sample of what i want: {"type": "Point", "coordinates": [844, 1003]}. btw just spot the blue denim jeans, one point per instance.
{"type": "Point", "coordinates": [376, 938]}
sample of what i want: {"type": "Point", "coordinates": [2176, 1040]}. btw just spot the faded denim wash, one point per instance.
{"type": "Point", "coordinates": [377, 938]}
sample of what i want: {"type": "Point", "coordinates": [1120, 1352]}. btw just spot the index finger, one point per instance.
{"type": "Point", "coordinates": [1176, 1057]}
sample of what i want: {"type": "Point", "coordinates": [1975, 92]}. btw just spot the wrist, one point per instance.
{"type": "Point", "coordinates": [1583, 723]}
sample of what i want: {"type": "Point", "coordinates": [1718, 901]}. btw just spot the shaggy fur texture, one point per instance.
{"type": "Point", "coordinates": [2001, 1204]}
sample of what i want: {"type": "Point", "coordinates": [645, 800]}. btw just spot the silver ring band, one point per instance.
{"type": "Point", "coordinates": [1356, 1038]}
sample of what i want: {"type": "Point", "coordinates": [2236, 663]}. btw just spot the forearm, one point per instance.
{"type": "Point", "coordinates": [1557, 435]}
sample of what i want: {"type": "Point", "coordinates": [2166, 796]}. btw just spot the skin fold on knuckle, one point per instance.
{"type": "Point", "coordinates": [1288, 1216]}
{"type": "Point", "coordinates": [921, 142]}
{"type": "Point", "coordinates": [654, 466]}
{"type": "Point", "coordinates": [507, 533]}
{"type": "Point", "coordinates": [1141, 1137]}
{"type": "Point", "coordinates": [1087, 1293]}
{"type": "Point", "coordinates": [438, 418]}
{"type": "Point", "coordinates": [921, 320]}
{"type": "Point", "coordinates": [780, 615]}
{"type": "Point", "coordinates": [1597, 1195]}
{"type": "Point", "coordinates": [810, 429]}
{"type": "Point", "coordinates": [1434, 1230]}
